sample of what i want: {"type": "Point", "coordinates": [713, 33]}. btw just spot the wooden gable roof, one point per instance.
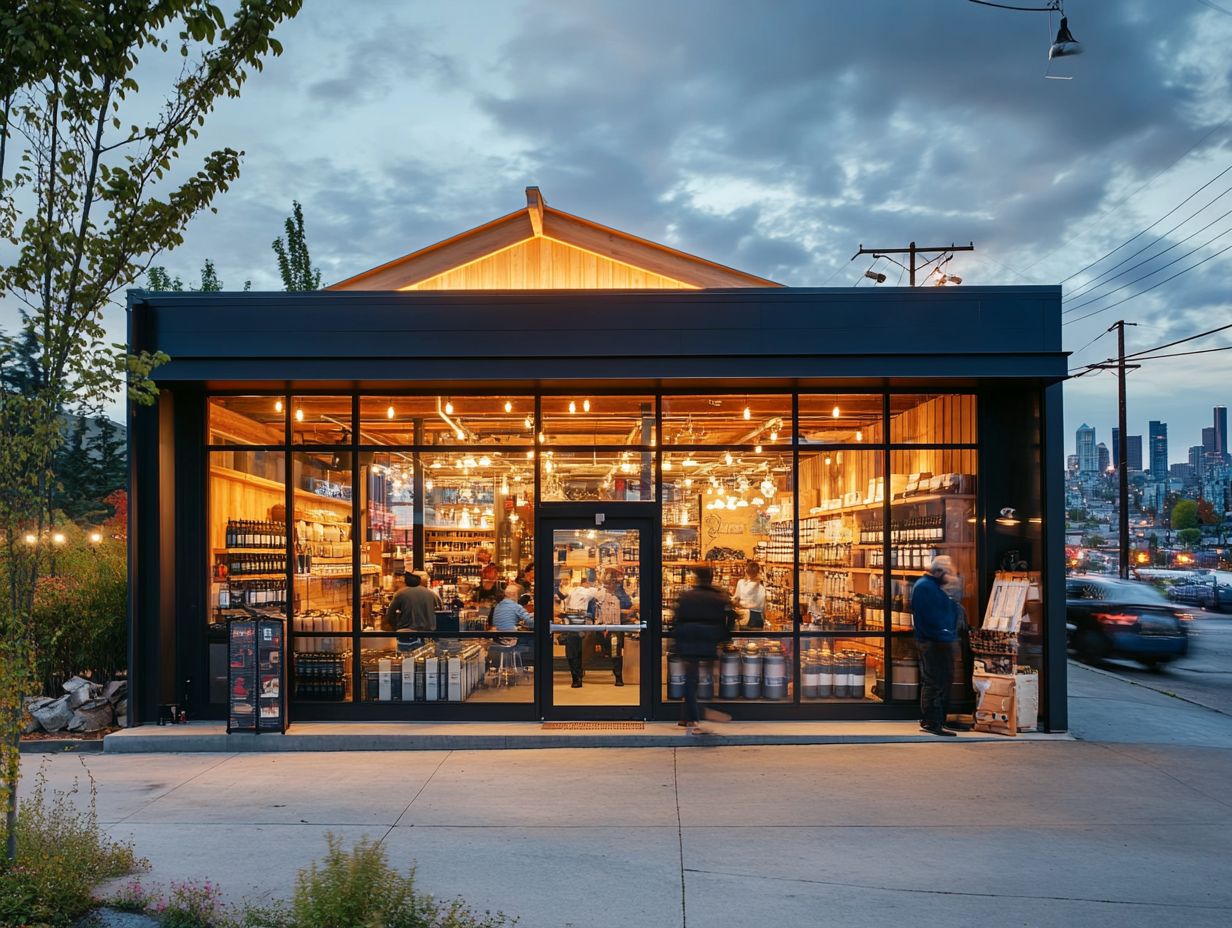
{"type": "Point", "coordinates": [542, 248]}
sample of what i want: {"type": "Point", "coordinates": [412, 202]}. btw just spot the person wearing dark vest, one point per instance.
{"type": "Point", "coordinates": [935, 617]}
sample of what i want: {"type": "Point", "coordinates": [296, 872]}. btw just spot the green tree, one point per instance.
{"type": "Point", "coordinates": [159, 280]}
{"type": "Point", "coordinates": [89, 199]}
{"type": "Point", "coordinates": [294, 264]}
{"type": "Point", "coordinates": [110, 456]}
{"type": "Point", "coordinates": [1094, 540]}
{"type": "Point", "coordinates": [1185, 514]}
{"type": "Point", "coordinates": [1190, 537]}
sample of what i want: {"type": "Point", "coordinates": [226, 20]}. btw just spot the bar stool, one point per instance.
{"type": "Point", "coordinates": [510, 665]}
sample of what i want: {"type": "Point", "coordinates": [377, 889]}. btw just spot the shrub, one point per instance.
{"type": "Point", "coordinates": [358, 887]}
{"type": "Point", "coordinates": [62, 855]}
{"type": "Point", "coordinates": [80, 613]}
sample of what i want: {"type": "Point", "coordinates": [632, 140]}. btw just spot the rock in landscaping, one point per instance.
{"type": "Point", "coordinates": [55, 715]}
{"type": "Point", "coordinates": [79, 691]}
{"type": "Point", "coordinates": [121, 713]}
{"type": "Point", "coordinates": [29, 724]}
{"type": "Point", "coordinates": [116, 690]}
{"type": "Point", "coordinates": [94, 715]}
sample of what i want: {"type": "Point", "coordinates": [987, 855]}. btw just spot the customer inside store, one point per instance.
{"type": "Point", "coordinates": [749, 597]}
{"type": "Point", "coordinates": [612, 605]}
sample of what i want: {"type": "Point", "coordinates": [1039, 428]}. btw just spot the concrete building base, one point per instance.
{"type": "Point", "coordinates": [212, 737]}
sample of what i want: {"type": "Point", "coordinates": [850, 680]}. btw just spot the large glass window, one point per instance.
{"type": "Point", "coordinates": [447, 420]}
{"type": "Point", "coordinates": [247, 420]}
{"type": "Point", "coordinates": [247, 535]}
{"type": "Point", "coordinates": [932, 419]}
{"type": "Point", "coordinates": [732, 419]}
{"type": "Point", "coordinates": [841, 418]}
{"type": "Point", "coordinates": [321, 420]}
{"type": "Point", "coordinates": [324, 581]}
{"type": "Point", "coordinates": [433, 668]}
{"type": "Point", "coordinates": [598, 421]}
{"type": "Point", "coordinates": [597, 475]}
{"type": "Point", "coordinates": [387, 519]}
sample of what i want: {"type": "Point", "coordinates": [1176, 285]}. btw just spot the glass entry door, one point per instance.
{"type": "Point", "coordinates": [596, 644]}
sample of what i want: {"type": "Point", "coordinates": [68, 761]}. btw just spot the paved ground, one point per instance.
{"type": "Point", "coordinates": [1131, 825]}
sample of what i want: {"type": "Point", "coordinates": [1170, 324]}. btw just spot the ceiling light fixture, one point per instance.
{"type": "Point", "coordinates": [585, 405]}
{"type": "Point", "coordinates": [748, 413]}
{"type": "Point", "coordinates": [757, 449]}
{"type": "Point", "coordinates": [389, 413]}
{"type": "Point", "coordinates": [508, 406]}
{"type": "Point", "coordinates": [835, 412]}
{"type": "Point", "coordinates": [572, 406]}
{"type": "Point", "coordinates": [277, 405]}
{"type": "Point", "coordinates": [667, 465]}
{"type": "Point", "coordinates": [728, 458]}
{"type": "Point", "coordinates": [485, 461]}
{"type": "Point", "coordinates": [449, 407]}
{"type": "Point", "coordinates": [1009, 516]}
{"type": "Point", "coordinates": [859, 435]}
{"type": "Point", "coordinates": [299, 415]}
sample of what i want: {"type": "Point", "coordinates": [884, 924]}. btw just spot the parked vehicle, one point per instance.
{"type": "Point", "coordinates": [1107, 617]}
{"type": "Point", "coordinates": [1202, 593]}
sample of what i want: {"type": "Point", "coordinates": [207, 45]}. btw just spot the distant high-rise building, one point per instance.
{"type": "Point", "coordinates": [1104, 460]}
{"type": "Point", "coordinates": [1071, 464]}
{"type": "Point", "coordinates": [1221, 430]}
{"type": "Point", "coordinates": [1133, 452]}
{"type": "Point", "coordinates": [1181, 472]}
{"type": "Point", "coordinates": [1084, 446]}
{"type": "Point", "coordinates": [1209, 443]}
{"type": "Point", "coordinates": [1197, 456]}
{"type": "Point", "coordinates": [1157, 436]}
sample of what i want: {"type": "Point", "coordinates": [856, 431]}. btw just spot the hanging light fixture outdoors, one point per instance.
{"type": "Point", "coordinates": [1064, 45]}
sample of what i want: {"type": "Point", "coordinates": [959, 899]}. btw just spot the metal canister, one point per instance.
{"type": "Point", "coordinates": [810, 674]}
{"type": "Point", "coordinates": [729, 675]}
{"type": "Point", "coordinates": [825, 674]}
{"type": "Point", "coordinates": [859, 667]}
{"type": "Point", "coordinates": [842, 674]}
{"type": "Point", "coordinates": [775, 671]}
{"type": "Point", "coordinates": [705, 680]}
{"type": "Point", "coordinates": [675, 676]}
{"type": "Point", "coordinates": [750, 674]}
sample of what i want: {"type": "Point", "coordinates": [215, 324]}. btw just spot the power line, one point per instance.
{"type": "Point", "coordinates": [1145, 276]}
{"type": "Point", "coordinates": [1179, 341]}
{"type": "Point", "coordinates": [1185, 354]}
{"type": "Point", "coordinates": [1093, 284]}
{"type": "Point", "coordinates": [1133, 193]}
{"type": "Point", "coordinates": [1139, 355]}
{"type": "Point", "coordinates": [1091, 342]}
{"type": "Point", "coordinates": [1153, 224]}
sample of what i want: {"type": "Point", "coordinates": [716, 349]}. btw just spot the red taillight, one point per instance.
{"type": "Point", "coordinates": [1184, 616]}
{"type": "Point", "coordinates": [1116, 618]}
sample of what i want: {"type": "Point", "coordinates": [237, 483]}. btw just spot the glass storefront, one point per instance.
{"type": "Point", "coordinates": [816, 512]}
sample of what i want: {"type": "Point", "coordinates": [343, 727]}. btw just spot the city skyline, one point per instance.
{"type": "Point", "coordinates": [1178, 443]}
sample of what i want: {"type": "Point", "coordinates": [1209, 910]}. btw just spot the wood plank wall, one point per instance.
{"type": "Point", "coordinates": [546, 264]}
{"type": "Point", "coordinates": [946, 419]}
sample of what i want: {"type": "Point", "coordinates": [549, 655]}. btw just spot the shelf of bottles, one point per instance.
{"type": "Point", "coordinates": [250, 571]}
{"type": "Point", "coordinates": [321, 668]}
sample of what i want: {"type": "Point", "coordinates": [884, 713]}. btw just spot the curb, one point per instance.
{"type": "Point", "coordinates": [62, 746]}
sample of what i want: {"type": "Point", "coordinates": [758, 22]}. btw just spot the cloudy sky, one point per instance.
{"type": "Point", "coordinates": [775, 137]}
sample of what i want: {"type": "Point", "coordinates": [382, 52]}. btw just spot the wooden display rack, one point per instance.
{"type": "Point", "coordinates": [1001, 698]}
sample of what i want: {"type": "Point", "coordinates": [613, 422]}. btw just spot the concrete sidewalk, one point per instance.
{"type": "Point", "coordinates": [1016, 832]}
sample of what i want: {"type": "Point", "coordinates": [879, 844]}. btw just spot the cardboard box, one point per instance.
{"type": "Point", "coordinates": [1026, 700]}
{"type": "Point", "coordinates": [996, 704]}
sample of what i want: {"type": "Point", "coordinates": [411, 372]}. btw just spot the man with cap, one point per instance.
{"type": "Point", "coordinates": [935, 617]}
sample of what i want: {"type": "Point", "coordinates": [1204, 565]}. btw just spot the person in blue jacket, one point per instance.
{"type": "Point", "coordinates": [935, 616]}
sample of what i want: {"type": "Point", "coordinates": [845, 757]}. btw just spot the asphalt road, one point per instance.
{"type": "Point", "coordinates": [1204, 677]}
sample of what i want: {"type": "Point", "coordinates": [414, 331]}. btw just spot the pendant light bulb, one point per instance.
{"type": "Point", "coordinates": [547, 466]}
{"type": "Point", "coordinates": [461, 435]}
{"type": "Point", "coordinates": [827, 461]}
{"type": "Point", "coordinates": [428, 484]}
{"type": "Point", "coordinates": [667, 465]}
{"type": "Point", "coordinates": [835, 412]}
{"type": "Point", "coordinates": [572, 406]}
{"type": "Point", "coordinates": [528, 423]}
{"type": "Point", "coordinates": [277, 405]}
{"type": "Point", "coordinates": [530, 455]}
{"type": "Point", "coordinates": [449, 407]}
{"type": "Point", "coordinates": [748, 413]}
{"type": "Point", "coordinates": [774, 436]}
{"type": "Point", "coordinates": [389, 413]}
{"type": "Point", "coordinates": [688, 481]}
{"type": "Point", "coordinates": [859, 435]}
{"type": "Point", "coordinates": [508, 406]}
{"type": "Point", "coordinates": [485, 461]}
{"type": "Point", "coordinates": [541, 438]}
{"type": "Point", "coordinates": [585, 405]}
{"type": "Point", "coordinates": [299, 415]}
{"type": "Point", "coordinates": [728, 458]}
{"type": "Point", "coordinates": [757, 449]}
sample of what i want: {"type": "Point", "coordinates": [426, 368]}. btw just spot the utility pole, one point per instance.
{"type": "Point", "coordinates": [1122, 446]}
{"type": "Point", "coordinates": [911, 250]}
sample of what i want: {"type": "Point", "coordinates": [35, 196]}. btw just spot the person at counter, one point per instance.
{"type": "Point", "coordinates": [526, 580]}
{"type": "Point", "coordinates": [413, 607]}
{"type": "Point", "coordinates": [489, 591]}
{"type": "Point", "coordinates": [509, 612]}
{"type": "Point", "coordinates": [611, 605]}
{"type": "Point", "coordinates": [749, 597]}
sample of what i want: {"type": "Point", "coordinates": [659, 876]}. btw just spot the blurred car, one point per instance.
{"type": "Point", "coordinates": [1198, 592]}
{"type": "Point", "coordinates": [1107, 617]}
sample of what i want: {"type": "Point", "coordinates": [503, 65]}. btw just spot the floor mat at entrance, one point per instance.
{"type": "Point", "coordinates": [594, 726]}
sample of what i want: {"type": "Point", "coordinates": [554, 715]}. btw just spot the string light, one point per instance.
{"type": "Point", "coordinates": [859, 435]}
{"type": "Point", "coordinates": [572, 406]}
{"type": "Point", "coordinates": [757, 449]}
{"type": "Point", "coordinates": [449, 407]}
{"type": "Point", "coordinates": [834, 412]}
{"type": "Point", "coordinates": [299, 415]}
